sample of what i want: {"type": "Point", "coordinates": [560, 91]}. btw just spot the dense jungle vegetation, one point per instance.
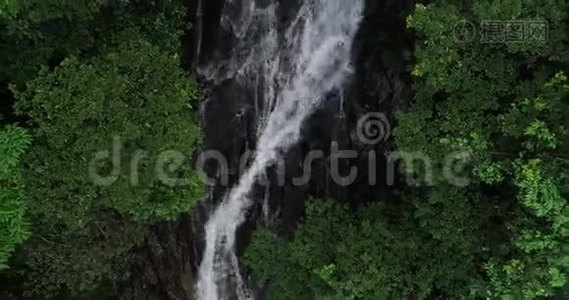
{"type": "Point", "coordinates": [83, 73]}
{"type": "Point", "coordinates": [77, 74]}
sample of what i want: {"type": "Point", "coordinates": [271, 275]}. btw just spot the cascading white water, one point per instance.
{"type": "Point", "coordinates": [311, 60]}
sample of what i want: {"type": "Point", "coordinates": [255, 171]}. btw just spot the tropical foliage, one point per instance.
{"type": "Point", "coordinates": [98, 84]}
{"type": "Point", "coordinates": [13, 224]}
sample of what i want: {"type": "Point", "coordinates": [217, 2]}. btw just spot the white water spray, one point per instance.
{"type": "Point", "coordinates": [317, 47]}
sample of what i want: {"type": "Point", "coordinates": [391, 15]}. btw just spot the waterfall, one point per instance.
{"type": "Point", "coordinates": [291, 68]}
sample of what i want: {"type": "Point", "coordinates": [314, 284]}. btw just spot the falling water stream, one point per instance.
{"type": "Point", "coordinates": [293, 68]}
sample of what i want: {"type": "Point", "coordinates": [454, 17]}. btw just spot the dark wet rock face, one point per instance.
{"type": "Point", "coordinates": [166, 266]}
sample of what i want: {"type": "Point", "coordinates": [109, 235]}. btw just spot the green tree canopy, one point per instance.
{"type": "Point", "coordinates": [505, 106]}
{"type": "Point", "coordinates": [13, 224]}
{"type": "Point", "coordinates": [133, 105]}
